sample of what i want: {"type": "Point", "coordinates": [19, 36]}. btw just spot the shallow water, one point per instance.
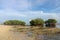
{"type": "Point", "coordinates": [58, 26]}
{"type": "Point", "coordinates": [43, 37]}
{"type": "Point", "coordinates": [47, 37]}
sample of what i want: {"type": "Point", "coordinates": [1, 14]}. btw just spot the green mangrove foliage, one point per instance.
{"type": "Point", "coordinates": [14, 22]}
{"type": "Point", "coordinates": [50, 23]}
{"type": "Point", "coordinates": [34, 22]}
{"type": "Point", "coordinates": [37, 22]}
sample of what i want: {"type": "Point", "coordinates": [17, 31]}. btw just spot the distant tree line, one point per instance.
{"type": "Point", "coordinates": [40, 22]}
{"type": "Point", "coordinates": [34, 22]}
{"type": "Point", "coordinates": [37, 22]}
{"type": "Point", "coordinates": [14, 22]}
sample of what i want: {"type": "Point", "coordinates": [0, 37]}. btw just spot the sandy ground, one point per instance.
{"type": "Point", "coordinates": [7, 34]}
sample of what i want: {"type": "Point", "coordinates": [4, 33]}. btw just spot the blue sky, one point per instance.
{"type": "Point", "coordinates": [28, 9]}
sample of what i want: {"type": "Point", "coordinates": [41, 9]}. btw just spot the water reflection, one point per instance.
{"type": "Point", "coordinates": [43, 37]}
{"type": "Point", "coordinates": [47, 37]}
{"type": "Point", "coordinates": [58, 26]}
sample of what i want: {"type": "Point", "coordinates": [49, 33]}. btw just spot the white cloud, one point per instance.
{"type": "Point", "coordinates": [57, 3]}
{"type": "Point", "coordinates": [57, 10]}
{"type": "Point", "coordinates": [41, 14]}
{"type": "Point", "coordinates": [14, 15]}
{"type": "Point", "coordinates": [15, 4]}
{"type": "Point", "coordinates": [29, 14]}
{"type": "Point", "coordinates": [7, 3]}
{"type": "Point", "coordinates": [10, 7]}
{"type": "Point", "coordinates": [21, 4]}
{"type": "Point", "coordinates": [38, 2]}
{"type": "Point", "coordinates": [11, 13]}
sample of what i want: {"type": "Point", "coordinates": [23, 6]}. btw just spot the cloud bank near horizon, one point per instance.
{"type": "Point", "coordinates": [28, 15]}
{"type": "Point", "coordinates": [29, 9]}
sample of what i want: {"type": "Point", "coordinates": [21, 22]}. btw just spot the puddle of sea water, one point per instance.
{"type": "Point", "coordinates": [43, 37]}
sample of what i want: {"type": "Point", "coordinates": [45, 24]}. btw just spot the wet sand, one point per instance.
{"type": "Point", "coordinates": [7, 34]}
